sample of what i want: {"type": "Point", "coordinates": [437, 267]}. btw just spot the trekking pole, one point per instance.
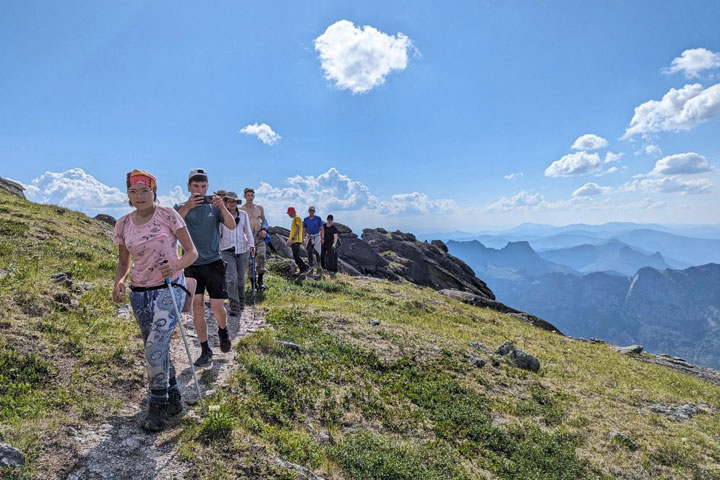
{"type": "Point", "coordinates": [253, 279]}
{"type": "Point", "coordinates": [184, 337]}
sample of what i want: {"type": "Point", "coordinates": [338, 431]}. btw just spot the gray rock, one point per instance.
{"type": "Point", "coordinates": [622, 439]}
{"type": "Point", "coordinates": [374, 322]}
{"type": "Point", "coordinates": [290, 345]}
{"type": "Point", "coordinates": [679, 413]}
{"type": "Point", "coordinates": [630, 349]}
{"type": "Point", "coordinates": [440, 244]}
{"type": "Point", "coordinates": [62, 278]}
{"type": "Point", "coordinates": [71, 431]}
{"type": "Point", "coordinates": [12, 187]}
{"type": "Point", "coordinates": [517, 357]}
{"type": "Point", "coordinates": [478, 362]}
{"type": "Point", "coordinates": [11, 457]}
{"type": "Point", "coordinates": [479, 347]}
{"type": "Point", "coordinates": [109, 219]}
{"type": "Point", "coordinates": [304, 473]}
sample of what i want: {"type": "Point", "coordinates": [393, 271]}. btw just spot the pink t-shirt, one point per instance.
{"type": "Point", "coordinates": [150, 244]}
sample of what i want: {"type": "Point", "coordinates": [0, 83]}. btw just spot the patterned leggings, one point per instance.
{"type": "Point", "coordinates": [155, 314]}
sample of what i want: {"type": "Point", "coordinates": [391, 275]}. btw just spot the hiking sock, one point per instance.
{"type": "Point", "coordinates": [172, 383]}
{"type": "Point", "coordinates": [158, 395]}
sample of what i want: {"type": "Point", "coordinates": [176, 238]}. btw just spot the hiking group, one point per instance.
{"type": "Point", "coordinates": [220, 241]}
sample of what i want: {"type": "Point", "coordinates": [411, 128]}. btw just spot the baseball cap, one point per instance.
{"type": "Point", "coordinates": [198, 172]}
{"type": "Point", "coordinates": [291, 210]}
{"type": "Point", "coordinates": [311, 208]}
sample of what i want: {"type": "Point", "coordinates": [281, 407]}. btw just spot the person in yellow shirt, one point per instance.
{"type": "Point", "coordinates": [295, 239]}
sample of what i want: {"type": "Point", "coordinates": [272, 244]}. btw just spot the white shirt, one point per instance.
{"type": "Point", "coordinates": [241, 237]}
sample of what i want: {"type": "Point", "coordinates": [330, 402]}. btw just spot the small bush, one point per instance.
{"type": "Point", "coordinates": [216, 426]}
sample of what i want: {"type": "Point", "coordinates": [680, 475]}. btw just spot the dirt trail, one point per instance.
{"type": "Point", "coordinates": [119, 448]}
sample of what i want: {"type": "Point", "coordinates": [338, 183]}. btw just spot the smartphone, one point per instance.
{"type": "Point", "coordinates": [207, 199]}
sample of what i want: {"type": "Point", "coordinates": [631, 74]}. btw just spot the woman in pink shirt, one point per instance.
{"type": "Point", "coordinates": [150, 235]}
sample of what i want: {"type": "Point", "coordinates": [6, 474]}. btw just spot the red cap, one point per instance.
{"type": "Point", "coordinates": [291, 210]}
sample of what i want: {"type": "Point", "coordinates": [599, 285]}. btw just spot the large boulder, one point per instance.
{"type": "Point", "coordinates": [424, 263]}
{"type": "Point", "coordinates": [12, 187]}
{"type": "Point", "coordinates": [10, 457]}
{"type": "Point", "coordinates": [102, 217]}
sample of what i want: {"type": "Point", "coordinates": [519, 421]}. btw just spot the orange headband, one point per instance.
{"type": "Point", "coordinates": [141, 176]}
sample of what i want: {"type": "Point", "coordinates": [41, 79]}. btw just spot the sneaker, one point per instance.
{"type": "Point", "coordinates": [224, 340]}
{"type": "Point", "coordinates": [204, 358]}
{"type": "Point", "coordinates": [156, 419]}
{"type": "Point", "coordinates": [174, 402]}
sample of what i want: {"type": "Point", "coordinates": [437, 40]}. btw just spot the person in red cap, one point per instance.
{"type": "Point", "coordinates": [295, 239]}
{"type": "Point", "coordinates": [149, 235]}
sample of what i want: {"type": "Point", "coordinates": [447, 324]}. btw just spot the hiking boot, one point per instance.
{"type": "Point", "coordinates": [224, 340]}
{"type": "Point", "coordinates": [234, 310]}
{"type": "Point", "coordinates": [204, 358]}
{"type": "Point", "coordinates": [261, 284]}
{"type": "Point", "coordinates": [156, 419]}
{"type": "Point", "coordinates": [174, 402]}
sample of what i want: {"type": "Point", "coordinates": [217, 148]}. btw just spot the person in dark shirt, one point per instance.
{"type": "Point", "coordinates": [328, 256]}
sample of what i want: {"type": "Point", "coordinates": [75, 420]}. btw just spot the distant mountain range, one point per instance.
{"type": "Point", "coordinates": [680, 246]}
{"type": "Point", "coordinates": [609, 290]}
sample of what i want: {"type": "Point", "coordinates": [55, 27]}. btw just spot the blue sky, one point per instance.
{"type": "Point", "coordinates": [475, 91]}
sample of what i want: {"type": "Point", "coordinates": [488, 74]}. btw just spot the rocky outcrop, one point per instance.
{"type": "Point", "coordinates": [424, 263]}
{"type": "Point", "coordinates": [12, 187]}
{"type": "Point", "coordinates": [109, 219]}
{"type": "Point", "coordinates": [480, 301]}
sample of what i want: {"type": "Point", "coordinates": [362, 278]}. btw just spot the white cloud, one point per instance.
{"type": "Point", "coordinates": [589, 141]}
{"type": "Point", "coordinates": [694, 61]}
{"type": "Point", "coordinates": [671, 184]}
{"type": "Point", "coordinates": [573, 164]}
{"type": "Point", "coordinates": [681, 163]}
{"type": "Point", "coordinates": [176, 195]}
{"type": "Point", "coordinates": [520, 201]}
{"type": "Point", "coordinates": [78, 190]}
{"type": "Point", "coordinates": [333, 191]}
{"type": "Point", "coordinates": [611, 170]}
{"type": "Point", "coordinates": [589, 189]}
{"type": "Point", "coordinates": [651, 150]}
{"type": "Point", "coordinates": [414, 203]}
{"type": "Point", "coordinates": [613, 157]}
{"type": "Point", "coordinates": [359, 59]}
{"type": "Point", "coordinates": [263, 131]}
{"type": "Point", "coordinates": [514, 175]}
{"type": "Point", "coordinates": [681, 109]}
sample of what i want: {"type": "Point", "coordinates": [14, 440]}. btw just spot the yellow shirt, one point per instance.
{"type": "Point", "coordinates": [296, 230]}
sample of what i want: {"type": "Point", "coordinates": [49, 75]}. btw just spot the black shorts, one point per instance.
{"type": "Point", "coordinates": [210, 276]}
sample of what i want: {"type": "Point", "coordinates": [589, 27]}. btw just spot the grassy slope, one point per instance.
{"type": "Point", "coordinates": [59, 367]}
{"type": "Point", "coordinates": [395, 401]}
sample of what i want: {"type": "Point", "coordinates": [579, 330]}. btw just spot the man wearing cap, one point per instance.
{"type": "Point", "coordinates": [313, 237]}
{"type": "Point", "coordinates": [236, 246]}
{"type": "Point", "coordinates": [203, 216]}
{"type": "Point", "coordinates": [295, 239]}
{"type": "Point", "coordinates": [258, 224]}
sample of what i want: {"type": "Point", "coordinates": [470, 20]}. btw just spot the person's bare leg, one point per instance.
{"type": "Point", "coordinates": [218, 308]}
{"type": "Point", "coordinates": [199, 318]}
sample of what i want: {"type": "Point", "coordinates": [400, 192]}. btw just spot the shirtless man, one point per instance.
{"type": "Point", "coordinates": [258, 225]}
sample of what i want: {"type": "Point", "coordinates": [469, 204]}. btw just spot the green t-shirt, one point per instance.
{"type": "Point", "coordinates": [203, 225]}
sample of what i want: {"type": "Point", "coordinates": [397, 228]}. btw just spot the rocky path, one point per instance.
{"type": "Point", "coordinates": [119, 448]}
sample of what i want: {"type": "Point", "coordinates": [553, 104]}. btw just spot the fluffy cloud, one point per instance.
{"type": "Point", "coordinates": [520, 201]}
{"type": "Point", "coordinates": [589, 141]}
{"type": "Point", "coordinates": [333, 191]}
{"type": "Point", "coordinates": [573, 164]}
{"type": "Point", "coordinates": [78, 190]}
{"type": "Point", "coordinates": [681, 109]}
{"type": "Point", "coordinates": [359, 59]}
{"type": "Point", "coordinates": [681, 163]}
{"type": "Point", "coordinates": [672, 184]}
{"type": "Point", "coordinates": [694, 61]}
{"type": "Point", "coordinates": [263, 132]}
{"type": "Point", "coordinates": [513, 176]}
{"type": "Point", "coordinates": [590, 189]}
{"type": "Point", "coordinates": [613, 157]}
{"type": "Point", "coordinates": [650, 150]}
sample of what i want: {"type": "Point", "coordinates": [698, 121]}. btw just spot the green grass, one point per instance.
{"type": "Point", "coordinates": [394, 401]}
{"type": "Point", "coordinates": [59, 365]}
